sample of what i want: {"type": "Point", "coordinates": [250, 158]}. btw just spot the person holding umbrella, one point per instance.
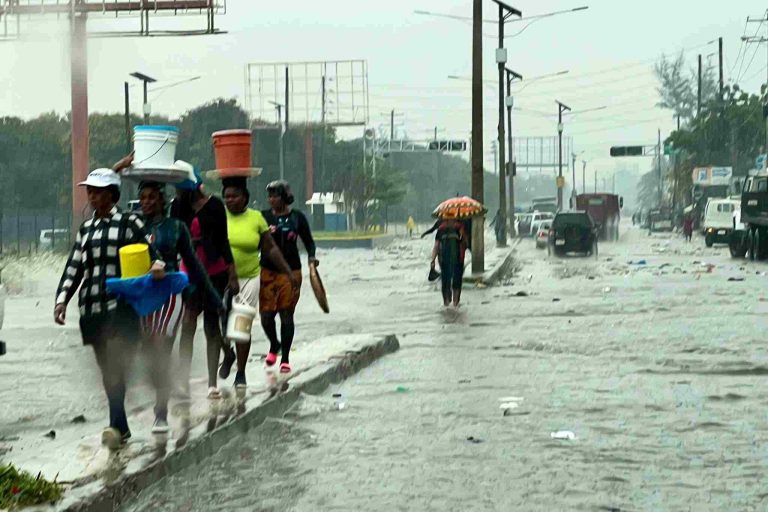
{"type": "Point", "coordinates": [451, 244]}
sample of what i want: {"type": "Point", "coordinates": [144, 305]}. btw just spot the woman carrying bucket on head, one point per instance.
{"type": "Point", "coordinates": [206, 218]}
{"type": "Point", "coordinates": [109, 325]}
{"type": "Point", "coordinates": [278, 295]}
{"type": "Point", "coordinates": [250, 238]}
{"type": "Point", "coordinates": [172, 240]}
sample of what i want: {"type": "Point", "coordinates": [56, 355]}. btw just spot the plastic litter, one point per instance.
{"type": "Point", "coordinates": [51, 434]}
{"type": "Point", "coordinates": [78, 419]}
{"type": "Point", "coordinates": [607, 289]}
{"type": "Point", "coordinates": [338, 402]}
{"type": "Point", "coordinates": [474, 440]}
{"type": "Point", "coordinates": [565, 435]}
{"type": "Point", "coordinates": [2, 348]}
{"type": "Point", "coordinates": [509, 405]}
{"type": "Point", "coordinates": [735, 279]}
{"type": "Point", "coordinates": [401, 389]}
{"type": "Point", "coordinates": [521, 294]}
{"type": "Point", "coordinates": [555, 300]}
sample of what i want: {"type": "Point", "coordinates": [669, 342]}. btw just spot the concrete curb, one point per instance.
{"type": "Point", "coordinates": [493, 276]}
{"type": "Point", "coordinates": [374, 242]}
{"type": "Point", "coordinates": [109, 497]}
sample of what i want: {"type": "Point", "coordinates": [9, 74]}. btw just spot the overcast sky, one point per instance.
{"type": "Point", "coordinates": [608, 49]}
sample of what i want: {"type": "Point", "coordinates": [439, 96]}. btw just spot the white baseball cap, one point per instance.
{"type": "Point", "coordinates": [101, 178]}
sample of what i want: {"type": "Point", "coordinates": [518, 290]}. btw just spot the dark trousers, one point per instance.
{"type": "Point", "coordinates": [114, 337]}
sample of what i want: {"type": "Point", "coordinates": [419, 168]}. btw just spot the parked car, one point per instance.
{"type": "Point", "coordinates": [572, 232]}
{"type": "Point", "coordinates": [718, 220]}
{"type": "Point", "coordinates": [538, 219]}
{"type": "Point", "coordinates": [542, 234]}
{"type": "Point", "coordinates": [523, 224]}
{"type": "Point", "coordinates": [51, 239]}
{"type": "Point", "coordinates": [738, 242]}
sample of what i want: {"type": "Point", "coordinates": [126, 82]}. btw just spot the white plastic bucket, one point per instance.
{"type": "Point", "coordinates": [240, 321]}
{"type": "Point", "coordinates": [155, 146]}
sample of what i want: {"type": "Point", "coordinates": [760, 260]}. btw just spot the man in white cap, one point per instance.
{"type": "Point", "coordinates": [109, 325]}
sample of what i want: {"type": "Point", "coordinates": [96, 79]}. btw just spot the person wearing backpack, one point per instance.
{"type": "Point", "coordinates": [450, 246]}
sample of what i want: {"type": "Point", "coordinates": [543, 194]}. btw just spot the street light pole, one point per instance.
{"type": "Point", "coordinates": [511, 76]}
{"type": "Point", "coordinates": [584, 176]}
{"type": "Point", "coordinates": [279, 108]}
{"type": "Point", "coordinates": [146, 80]}
{"type": "Point", "coordinates": [561, 107]}
{"type": "Point", "coordinates": [505, 11]}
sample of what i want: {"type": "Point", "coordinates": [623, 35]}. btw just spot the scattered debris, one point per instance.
{"type": "Point", "coordinates": [78, 419]}
{"type": "Point", "coordinates": [401, 389]}
{"type": "Point", "coordinates": [51, 434]}
{"type": "Point", "coordinates": [735, 279]}
{"type": "Point", "coordinates": [474, 440]}
{"type": "Point", "coordinates": [555, 300]}
{"type": "Point", "coordinates": [2, 348]}
{"type": "Point", "coordinates": [521, 294]}
{"type": "Point", "coordinates": [465, 381]}
{"type": "Point", "coordinates": [565, 435]}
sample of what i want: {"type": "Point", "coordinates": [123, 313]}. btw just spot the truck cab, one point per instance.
{"type": "Point", "coordinates": [605, 210]}
{"type": "Point", "coordinates": [754, 214]}
{"type": "Point", "coordinates": [718, 220]}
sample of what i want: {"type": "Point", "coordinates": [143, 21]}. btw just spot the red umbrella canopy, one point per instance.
{"type": "Point", "coordinates": [459, 208]}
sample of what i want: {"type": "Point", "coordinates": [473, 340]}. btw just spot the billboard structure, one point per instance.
{"type": "Point", "coordinates": [308, 94]}
{"type": "Point", "coordinates": [17, 18]}
{"type": "Point", "coordinates": [329, 93]}
{"type": "Point", "coordinates": [540, 153]}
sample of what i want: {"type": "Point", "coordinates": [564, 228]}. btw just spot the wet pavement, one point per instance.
{"type": "Point", "coordinates": [53, 407]}
{"type": "Point", "coordinates": [630, 382]}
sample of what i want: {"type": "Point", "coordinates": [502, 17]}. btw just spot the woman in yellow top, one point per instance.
{"type": "Point", "coordinates": [249, 236]}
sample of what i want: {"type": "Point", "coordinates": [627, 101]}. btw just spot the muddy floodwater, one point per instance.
{"type": "Point", "coordinates": [635, 381]}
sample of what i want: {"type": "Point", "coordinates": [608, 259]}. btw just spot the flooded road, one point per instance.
{"type": "Point", "coordinates": [650, 362]}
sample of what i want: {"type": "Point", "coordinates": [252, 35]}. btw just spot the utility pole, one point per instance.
{"type": "Point", "coordinates": [573, 183]}
{"type": "Point", "coordinates": [279, 108]}
{"type": "Point", "coordinates": [561, 107]}
{"type": "Point", "coordinates": [512, 169]}
{"type": "Point", "coordinates": [761, 40]}
{"type": "Point", "coordinates": [584, 176]}
{"type": "Point", "coordinates": [658, 153]}
{"type": "Point", "coordinates": [392, 125]}
{"type": "Point", "coordinates": [478, 224]}
{"type": "Point", "coordinates": [698, 103]}
{"type": "Point", "coordinates": [285, 130]}
{"type": "Point", "coordinates": [720, 53]}
{"type": "Point", "coordinates": [505, 12]}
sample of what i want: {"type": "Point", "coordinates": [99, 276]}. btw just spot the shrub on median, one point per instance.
{"type": "Point", "coordinates": [21, 489]}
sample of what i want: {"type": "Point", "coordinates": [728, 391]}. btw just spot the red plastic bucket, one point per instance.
{"type": "Point", "coordinates": [232, 149]}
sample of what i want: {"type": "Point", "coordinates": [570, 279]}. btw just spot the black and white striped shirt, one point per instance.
{"type": "Point", "coordinates": [94, 258]}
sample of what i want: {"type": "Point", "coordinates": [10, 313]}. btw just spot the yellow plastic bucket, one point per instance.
{"type": "Point", "coordinates": [134, 260]}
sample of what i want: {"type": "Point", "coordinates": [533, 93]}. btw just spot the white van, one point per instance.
{"type": "Point", "coordinates": [718, 220]}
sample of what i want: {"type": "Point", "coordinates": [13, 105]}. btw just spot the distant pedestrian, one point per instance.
{"type": "Point", "coordinates": [279, 294]}
{"type": "Point", "coordinates": [410, 226]}
{"type": "Point", "coordinates": [688, 228]}
{"type": "Point", "coordinates": [496, 224]}
{"type": "Point", "coordinates": [450, 247]}
{"type": "Point", "coordinates": [107, 324]}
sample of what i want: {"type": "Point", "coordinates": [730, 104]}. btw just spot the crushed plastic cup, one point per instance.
{"type": "Point", "coordinates": [563, 435]}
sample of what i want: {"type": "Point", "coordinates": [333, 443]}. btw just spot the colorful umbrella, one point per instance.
{"type": "Point", "coordinates": [459, 208]}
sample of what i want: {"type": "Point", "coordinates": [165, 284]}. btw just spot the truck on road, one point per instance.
{"type": "Point", "coordinates": [605, 210]}
{"type": "Point", "coordinates": [754, 214]}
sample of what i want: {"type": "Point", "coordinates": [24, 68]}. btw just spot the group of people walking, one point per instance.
{"type": "Point", "coordinates": [230, 252]}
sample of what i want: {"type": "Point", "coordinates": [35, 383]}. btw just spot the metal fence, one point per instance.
{"type": "Point", "coordinates": [32, 231]}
